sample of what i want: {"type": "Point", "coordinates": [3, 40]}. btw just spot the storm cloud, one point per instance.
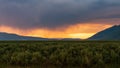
{"type": "Point", "coordinates": [28, 14]}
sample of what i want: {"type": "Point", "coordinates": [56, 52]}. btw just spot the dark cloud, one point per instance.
{"type": "Point", "coordinates": [55, 13]}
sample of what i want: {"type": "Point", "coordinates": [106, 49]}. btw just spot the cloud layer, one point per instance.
{"type": "Point", "coordinates": [51, 14]}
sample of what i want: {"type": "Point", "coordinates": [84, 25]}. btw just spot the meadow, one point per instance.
{"type": "Point", "coordinates": [86, 54]}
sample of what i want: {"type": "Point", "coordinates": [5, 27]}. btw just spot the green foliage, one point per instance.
{"type": "Point", "coordinates": [71, 53]}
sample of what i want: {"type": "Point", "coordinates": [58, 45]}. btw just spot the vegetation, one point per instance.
{"type": "Point", "coordinates": [60, 53]}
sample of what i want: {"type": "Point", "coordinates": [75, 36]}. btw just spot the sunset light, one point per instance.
{"type": "Point", "coordinates": [82, 31]}
{"type": "Point", "coordinates": [59, 33]}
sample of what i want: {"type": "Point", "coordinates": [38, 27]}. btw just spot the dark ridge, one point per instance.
{"type": "Point", "coordinates": [112, 33]}
{"type": "Point", "coordinates": [10, 36]}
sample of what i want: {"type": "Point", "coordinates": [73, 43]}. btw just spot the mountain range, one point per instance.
{"type": "Point", "coordinates": [112, 33]}
{"type": "Point", "coordinates": [10, 36]}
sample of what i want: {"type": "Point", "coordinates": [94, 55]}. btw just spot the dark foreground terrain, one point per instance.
{"type": "Point", "coordinates": [60, 54]}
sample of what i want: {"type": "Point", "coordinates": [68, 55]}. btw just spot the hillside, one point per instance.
{"type": "Point", "coordinates": [112, 33]}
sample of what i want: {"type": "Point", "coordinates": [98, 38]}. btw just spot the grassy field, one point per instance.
{"type": "Point", "coordinates": [60, 53]}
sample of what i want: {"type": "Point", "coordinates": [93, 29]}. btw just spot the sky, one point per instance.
{"type": "Point", "coordinates": [58, 18]}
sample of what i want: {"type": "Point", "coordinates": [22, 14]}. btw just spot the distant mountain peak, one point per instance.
{"type": "Point", "coordinates": [116, 26]}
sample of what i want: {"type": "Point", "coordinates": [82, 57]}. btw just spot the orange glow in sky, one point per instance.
{"type": "Point", "coordinates": [82, 31]}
